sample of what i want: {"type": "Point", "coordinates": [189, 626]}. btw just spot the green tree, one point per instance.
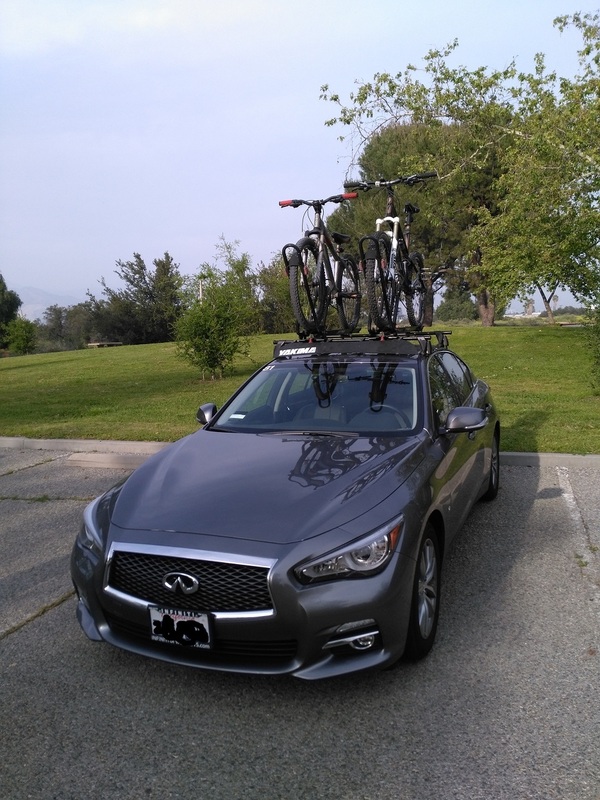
{"type": "Point", "coordinates": [145, 310]}
{"type": "Point", "coordinates": [593, 339]}
{"type": "Point", "coordinates": [513, 130]}
{"type": "Point", "coordinates": [241, 284]}
{"type": "Point", "coordinates": [53, 326]}
{"type": "Point", "coordinates": [276, 315]}
{"type": "Point", "coordinates": [21, 335]}
{"type": "Point", "coordinates": [549, 192]}
{"type": "Point", "coordinates": [65, 327]}
{"type": "Point", "coordinates": [440, 231]}
{"type": "Point", "coordinates": [456, 305]}
{"type": "Point", "coordinates": [10, 302]}
{"type": "Point", "coordinates": [78, 325]}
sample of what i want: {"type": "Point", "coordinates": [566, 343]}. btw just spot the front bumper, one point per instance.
{"type": "Point", "coordinates": [316, 631]}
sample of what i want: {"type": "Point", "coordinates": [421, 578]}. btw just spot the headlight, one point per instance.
{"type": "Point", "coordinates": [360, 559]}
{"type": "Point", "coordinates": [96, 520]}
{"type": "Point", "coordinates": [89, 534]}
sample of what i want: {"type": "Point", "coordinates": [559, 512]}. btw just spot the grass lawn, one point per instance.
{"type": "Point", "coordinates": [539, 378]}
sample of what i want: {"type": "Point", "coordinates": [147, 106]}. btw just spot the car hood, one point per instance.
{"type": "Point", "coordinates": [279, 488]}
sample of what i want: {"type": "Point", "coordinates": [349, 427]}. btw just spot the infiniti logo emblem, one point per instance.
{"type": "Point", "coordinates": [180, 582]}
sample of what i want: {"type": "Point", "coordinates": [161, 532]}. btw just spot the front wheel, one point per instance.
{"type": "Point", "coordinates": [425, 605]}
{"type": "Point", "coordinates": [382, 294]}
{"type": "Point", "coordinates": [494, 479]}
{"type": "Point", "coordinates": [307, 286]}
{"type": "Point", "coordinates": [348, 295]}
{"type": "Point", "coordinates": [414, 291]}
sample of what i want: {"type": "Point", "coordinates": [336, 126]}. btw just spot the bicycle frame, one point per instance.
{"type": "Point", "coordinates": [320, 276]}
{"type": "Point", "coordinates": [399, 236]}
{"type": "Point", "coordinates": [329, 245]}
{"type": "Point", "coordinates": [395, 240]}
{"type": "Point", "coordinates": [327, 250]}
{"type": "Point", "coordinates": [392, 274]}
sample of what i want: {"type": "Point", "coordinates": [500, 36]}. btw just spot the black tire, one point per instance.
{"type": "Point", "coordinates": [425, 605]}
{"type": "Point", "coordinates": [414, 291]}
{"type": "Point", "coordinates": [382, 297]}
{"type": "Point", "coordinates": [307, 287]}
{"type": "Point", "coordinates": [349, 295]}
{"type": "Point", "coordinates": [494, 482]}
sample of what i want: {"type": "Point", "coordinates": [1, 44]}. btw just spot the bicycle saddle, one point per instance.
{"type": "Point", "coordinates": [340, 238]}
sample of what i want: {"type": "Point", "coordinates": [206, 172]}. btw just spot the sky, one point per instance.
{"type": "Point", "coordinates": [145, 126]}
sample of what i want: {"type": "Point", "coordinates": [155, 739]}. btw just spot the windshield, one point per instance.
{"type": "Point", "coordinates": [327, 395]}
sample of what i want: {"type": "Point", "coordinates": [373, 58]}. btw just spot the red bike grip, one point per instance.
{"type": "Point", "coordinates": [350, 195]}
{"type": "Point", "coordinates": [284, 203]}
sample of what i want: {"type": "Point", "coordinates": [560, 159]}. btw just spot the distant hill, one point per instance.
{"type": "Point", "coordinates": [36, 301]}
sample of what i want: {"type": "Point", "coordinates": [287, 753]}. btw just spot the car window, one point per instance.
{"type": "Point", "coordinates": [255, 402]}
{"type": "Point", "coordinates": [444, 396]}
{"type": "Point", "coordinates": [459, 374]}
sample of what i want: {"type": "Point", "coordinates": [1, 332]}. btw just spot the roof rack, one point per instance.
{"type": "Point", "coordinates": [401, 342]}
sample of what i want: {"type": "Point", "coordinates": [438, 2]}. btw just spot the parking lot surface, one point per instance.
{"type": "Point", "coordinates": [505, 706]}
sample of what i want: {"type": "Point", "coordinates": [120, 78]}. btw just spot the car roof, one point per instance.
{"type": "Point", "coordinates": [400, 344]}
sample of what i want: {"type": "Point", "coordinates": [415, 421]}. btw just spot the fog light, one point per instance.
{"type": "Point", "coordinates": [347, 636]}
{"type": "Point", "coordinates": [363, 642]}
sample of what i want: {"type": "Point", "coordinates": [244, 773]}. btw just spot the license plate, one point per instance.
{"type": "Point", "coordinates": [187, 628]}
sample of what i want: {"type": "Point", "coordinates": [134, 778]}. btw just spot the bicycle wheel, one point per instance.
{"type": "Point", "coordinates": [382, 296]}
{"type": "Point", "coordinates": [348, 295]}
{"type": "Point", "coordinates": [307, 286]}
{"type": "Point", "coordinates": [414, 290]}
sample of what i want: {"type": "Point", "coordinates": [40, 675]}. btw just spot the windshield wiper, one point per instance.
{"type": "Point", "coordinates": [338, 434]}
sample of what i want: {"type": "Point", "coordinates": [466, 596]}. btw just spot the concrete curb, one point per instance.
{"type": "Point", "coordinates": [550, 459]}
{"type": "Point", "coordinates": [90, 452]}
{"type": "Point", "coordinates": [129, 455]}
{"type": "Point", "coordinates": [81, 445]}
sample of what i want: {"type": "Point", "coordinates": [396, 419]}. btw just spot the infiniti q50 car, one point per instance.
{"type": "Point", "coordinates": [302, 530]}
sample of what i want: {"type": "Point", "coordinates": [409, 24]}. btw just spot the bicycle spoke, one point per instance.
{"type": "Point", "coordinates": [415, 291]}
{"type": "Point", "coordinates": [307, 287]}
{"type": "Point", "coordinates": [348, 295]}
{"type": "Point", "coordinates": [381, 286]}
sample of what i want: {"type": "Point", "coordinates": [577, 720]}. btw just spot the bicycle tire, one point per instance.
{"type": "Point", "coordinates": [307, 287]}
{"type": "Point", "coordinates": [414, 291]}
{"type": "Point", "coordinates": [382, 295]}
{"type": "Point", "coordinates": [349, 296]}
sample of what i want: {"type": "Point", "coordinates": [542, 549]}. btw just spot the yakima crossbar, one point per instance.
{"type": "Point", "coordinates": [400, 343]}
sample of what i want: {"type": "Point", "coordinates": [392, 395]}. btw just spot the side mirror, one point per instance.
{"type": "Point", "coordinates": [205, 413]}
{"type": "Point", "coordinates": [464, 419]}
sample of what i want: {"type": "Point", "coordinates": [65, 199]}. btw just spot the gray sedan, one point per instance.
{"type": "Point", "coordinates": [303, 528]}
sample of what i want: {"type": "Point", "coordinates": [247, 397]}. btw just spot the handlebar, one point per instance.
{"type": "Point", "coordinates": [418, 177]}
{"type": "Point", "coordinates": [335, 198]}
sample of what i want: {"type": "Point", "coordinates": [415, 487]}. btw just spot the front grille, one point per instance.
{"type": "Point", "coordinates": [223, 587]}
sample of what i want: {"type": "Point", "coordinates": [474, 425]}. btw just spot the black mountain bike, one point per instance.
{"type": "Point", "coordinates": [321, 274]}
{"type": "Point", "coordinates": [392, 273]}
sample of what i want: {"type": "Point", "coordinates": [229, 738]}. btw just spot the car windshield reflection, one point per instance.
{"type": "Point", "coordinates": [358, 397]}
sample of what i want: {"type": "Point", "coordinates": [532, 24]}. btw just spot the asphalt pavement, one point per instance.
{"type": "Point", "coordinates": [506, 705]}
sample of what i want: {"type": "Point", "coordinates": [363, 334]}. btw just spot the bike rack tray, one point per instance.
{"type": "Point", "coordinates": [399, 343]}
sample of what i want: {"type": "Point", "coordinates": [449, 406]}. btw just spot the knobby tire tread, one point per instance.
{"type": "Point", "coordinates": [414, 297]}
{"type": "Point", "coordinates": [307, 291]}
{"type": "Point", "coordinates": [349, 295]}
{"type": "Point", "coordinates": [382, 296]}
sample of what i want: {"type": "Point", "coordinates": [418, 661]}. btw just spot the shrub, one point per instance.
{"type": "Point", "coordinates": [455, 308]}
{"type": "Point", "coordinates": [207, 333]}
{"type": "Point", "coordinates": [21, 335]}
